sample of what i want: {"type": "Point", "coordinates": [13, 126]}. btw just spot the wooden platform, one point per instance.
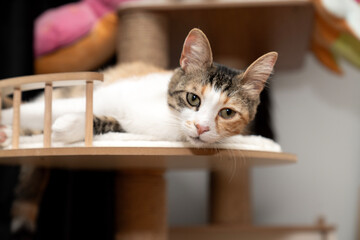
{"type": "Point", "coordinates": [140, 157]}
{"type": "Point", "coordinates": [220, 232]}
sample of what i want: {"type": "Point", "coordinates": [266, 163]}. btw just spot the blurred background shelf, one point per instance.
{"type": "Point", "coordinates": [218, 232]}
{"type": "Point", "coordinates": [239, 32]}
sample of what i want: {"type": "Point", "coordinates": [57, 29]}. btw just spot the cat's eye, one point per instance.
{"type": "Point", "coordinates": [227, 113]}
{"type": "Point", "coordinates": [193, 99]}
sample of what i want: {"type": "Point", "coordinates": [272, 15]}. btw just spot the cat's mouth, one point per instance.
{"type": "Point", "coordinates": [197, 139]}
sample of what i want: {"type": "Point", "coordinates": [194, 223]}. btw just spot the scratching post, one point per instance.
{"type": "Point", "coordinates": [141, 205]}
{"type": "Point", "coordinates": [230, 197]}
{"type": "Point", "coordinates": [143, 37]}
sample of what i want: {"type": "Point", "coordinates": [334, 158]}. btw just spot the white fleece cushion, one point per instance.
{"type": "Point", "coordinates": [133, 140]}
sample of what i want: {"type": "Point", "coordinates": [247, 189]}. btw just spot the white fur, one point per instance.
{"type": "Point", "coordinates": [140, 105]}
{"type": "Point", "coordinates": [69, 128]}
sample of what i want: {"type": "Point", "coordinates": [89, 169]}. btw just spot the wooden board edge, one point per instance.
{"type": "Point", "coordinates": [145, 6]}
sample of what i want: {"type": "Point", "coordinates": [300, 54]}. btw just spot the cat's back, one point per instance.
{"type": "Point", "coordinates": [133, 90]}
{"type": "Point", "coordinates": [135, 80]}
{"type": "Point", "coordinates": [129, 70]}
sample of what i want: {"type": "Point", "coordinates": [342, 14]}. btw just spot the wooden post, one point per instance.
{"type": "Point", "coordinates": [89, 114]}
{"type": "Point", "coordinates": [16, 117]}
{"type": "Point", "coordinates": [48, 115]}
{"type": "Point", "coordinates": [230, 199]}
{"type": "Point", "coordinates": [141, 205]}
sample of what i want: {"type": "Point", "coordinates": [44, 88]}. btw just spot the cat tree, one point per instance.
{"type": "Point", "coordinates": [140, 184]}
{"type": "Point", "coordinates": [149, 32]}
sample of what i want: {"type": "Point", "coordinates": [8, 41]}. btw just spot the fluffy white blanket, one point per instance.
{"type": "Point", "coordinates": [133, 140]}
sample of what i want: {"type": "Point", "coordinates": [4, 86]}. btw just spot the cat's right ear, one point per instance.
{"type": "Point", "coordinates": [196, 53]}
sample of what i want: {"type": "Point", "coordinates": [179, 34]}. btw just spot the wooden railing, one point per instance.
{"type": "Point", "coordinates": [47, 82]}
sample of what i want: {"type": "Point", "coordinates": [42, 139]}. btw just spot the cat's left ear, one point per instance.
{"type": "Point", "coordinates": [254, 78]}
{"type": "Point", "coordinates": [196, 53]}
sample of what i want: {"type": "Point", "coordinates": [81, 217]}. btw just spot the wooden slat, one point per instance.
{"type": "Point", "coordinates": [89, 114]}
{"type": "Point", "coordinates": [48, 115]}
{"type": "Point", "coordinates": [16, 118]}
{"type": "Point", "coordinates": [142, 157]}
{"type": "Point", "coordinates": [38, 81]}
{"type": "Point", "coordinates": [165, 6]}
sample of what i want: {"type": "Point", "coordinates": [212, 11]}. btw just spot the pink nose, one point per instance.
{"type": "Point", "coordinates": [201, 129]}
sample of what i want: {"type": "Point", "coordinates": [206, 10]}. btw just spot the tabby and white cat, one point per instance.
{"type": "Point", "coordinates": [200, 102]}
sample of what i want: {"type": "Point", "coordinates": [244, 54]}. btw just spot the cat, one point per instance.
{"type": "Point", "coordinates": [201, 102]}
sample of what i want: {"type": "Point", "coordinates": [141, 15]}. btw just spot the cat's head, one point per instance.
{"type": "Point", "coordinates": [212, 101]}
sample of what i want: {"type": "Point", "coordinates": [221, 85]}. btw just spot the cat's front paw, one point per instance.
{"type": "Point", "coordinates": [5, 136]}
{"type": "Point", "coordinates": [69, 128]}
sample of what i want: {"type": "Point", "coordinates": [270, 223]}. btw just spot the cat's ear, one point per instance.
{"type": "Point", "coordinates": [254, 78]}
{"type": "Point", "coordinates": [196, 53]}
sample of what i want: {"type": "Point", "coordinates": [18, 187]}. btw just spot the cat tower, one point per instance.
{"type": "Point", "coordinates": [141, 168]}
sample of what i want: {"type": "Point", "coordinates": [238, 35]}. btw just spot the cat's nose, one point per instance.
{"type": "Point", "coordinates": [201, 129]}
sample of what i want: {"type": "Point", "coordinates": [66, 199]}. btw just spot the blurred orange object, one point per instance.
{"type": "Point", "coordinates": [88, 53]}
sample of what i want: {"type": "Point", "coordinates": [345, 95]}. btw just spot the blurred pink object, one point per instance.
{"type": "Point", "coordinates": [63, 25]}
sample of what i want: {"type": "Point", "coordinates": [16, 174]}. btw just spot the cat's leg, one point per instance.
{"type": "Point", "coordinates": [5, 136]}
{"type": "Point", "coordinates": [71, 127]}
{"type": "Point", "coordinates": [28, 194]}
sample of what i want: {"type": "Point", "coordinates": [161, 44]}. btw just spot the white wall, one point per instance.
{"type": "Point", "coordinates": [317, 116]}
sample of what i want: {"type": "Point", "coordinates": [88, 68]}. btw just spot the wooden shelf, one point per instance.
{"type": "Point", "coordinates": [164, 6]}
{"type": "Point", "coordinates": [220, 232]}
{"type": "Point", "coordinates": [136, 157]}
{"type": "Point", "coordinates": [239, 31]}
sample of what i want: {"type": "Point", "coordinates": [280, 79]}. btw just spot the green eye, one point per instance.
{"type": "Point", "coordinates": [193, 99]}
{"type": "Point", "coordinates": [227, 113]}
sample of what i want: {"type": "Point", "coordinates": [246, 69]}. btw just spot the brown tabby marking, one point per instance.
{"type": "Point", "coordinates": [105, 124]}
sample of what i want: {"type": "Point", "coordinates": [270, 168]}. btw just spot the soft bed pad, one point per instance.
{"type": "Point", "coordinates": [251, 142]}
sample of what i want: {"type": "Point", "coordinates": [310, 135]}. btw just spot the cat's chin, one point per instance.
{"type": "Point", "coordinates": [198, 142]}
